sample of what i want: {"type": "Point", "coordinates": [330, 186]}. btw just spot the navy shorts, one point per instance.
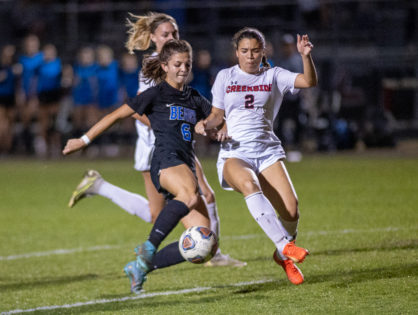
{"type": "Point", "coordinates": [162, 160]}
{"type": "Point", "coordinates": [7, 101]}
{"type": "Point", "coordinates": [50, 97]}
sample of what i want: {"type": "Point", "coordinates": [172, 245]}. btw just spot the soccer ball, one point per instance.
{"type": "Point", "coordinates": [198, 244]}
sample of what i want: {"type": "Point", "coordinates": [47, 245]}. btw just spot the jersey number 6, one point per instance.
{"type": "Point", "coordinates": [249, 101]}
{"type": "Point", "coordinates": [185, 130]}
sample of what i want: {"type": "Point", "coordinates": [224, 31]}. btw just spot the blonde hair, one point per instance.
{"type": "Point", "coordinates": [151, 65]}
{"type": "Point", "coordinates": [142, 26]}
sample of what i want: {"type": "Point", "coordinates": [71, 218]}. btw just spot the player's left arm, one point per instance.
{"type": "Point", "coordinates": [308, 78]}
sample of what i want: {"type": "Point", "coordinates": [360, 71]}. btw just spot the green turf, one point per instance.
{"type": "Point", "coordinates": [359, 218]}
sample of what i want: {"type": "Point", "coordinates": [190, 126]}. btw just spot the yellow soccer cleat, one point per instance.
{"type": "Point", "coordinates": [87, 187]}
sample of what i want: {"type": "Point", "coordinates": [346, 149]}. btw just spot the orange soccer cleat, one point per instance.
{"type": "Point", "coordinates": [293, 273]}
{"type": "Point", "coordinates": [296, 254]}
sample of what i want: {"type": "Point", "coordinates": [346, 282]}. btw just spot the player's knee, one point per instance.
{"type": "Point", "coordinates": [249, 187]}
{"type": "Point", "coordinates": [189, 199]}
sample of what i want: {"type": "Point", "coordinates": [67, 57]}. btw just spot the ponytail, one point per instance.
{"type": "Point", "coordinates": [142, 26]}
{"type": "Point", "coordinates": [265, 63]}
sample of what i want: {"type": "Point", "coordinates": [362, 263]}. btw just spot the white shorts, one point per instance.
{"type": "Point", "coordinates": [144, 147]}
{"type": "Point", "coordinates": [257, 164]}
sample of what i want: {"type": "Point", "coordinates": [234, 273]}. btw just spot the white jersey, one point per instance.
{"type": "Point", "coordinates": [251, 103]}
{"type": "Point", "coordinates": [146, 138]}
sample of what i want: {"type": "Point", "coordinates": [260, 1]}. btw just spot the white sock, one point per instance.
{"type": "Point", "coordinates": [132, 203]}
{"type": "Point", "coordinates": [265, 215]}
{"type": "Point", "coordinates": [290, 228]}
{"type": "Point", "coordinates": [214, 218]}
{"type": "Point", "coordinates": [214, 221]}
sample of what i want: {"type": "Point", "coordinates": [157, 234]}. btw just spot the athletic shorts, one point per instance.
{"type": "Point", "coordinates": [48, 97]}
{"type": "Point", "coordinates": [144, 147]}
{"type": "Point", "coordinates": [258, 164]}
{"type": "Point", "coordinates": [7, 101]}
{"type": "Point", "coordinates": [164, 159]}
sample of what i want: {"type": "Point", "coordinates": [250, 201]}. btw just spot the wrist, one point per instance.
{"type": "Point", "coordinates": [85, 139]}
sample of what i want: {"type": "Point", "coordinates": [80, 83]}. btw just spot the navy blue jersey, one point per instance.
{"type": "Point", "coordinates": [107, 77]}
{"type": "Point", "coordinates": [30, 65]}
{"type": "Point", "coordinates": [49, 75]}
{"type": "Point", "coordinates": [7, 81]}
{"type": "Point", "coordinates": [173, 115]}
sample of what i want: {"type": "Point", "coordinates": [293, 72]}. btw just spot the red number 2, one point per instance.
{"type": "Point", "coordinates": [249, 101]}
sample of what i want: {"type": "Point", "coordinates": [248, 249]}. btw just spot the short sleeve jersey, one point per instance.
{"type": "Point", "coordinates": [173, 115]}
{"type": "Point", "coordinates": [251, 103]}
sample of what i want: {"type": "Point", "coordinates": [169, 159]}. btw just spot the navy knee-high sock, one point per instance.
{"type": "Point", "coordinates": [168, 256]}
{"type": "Point", "coordinates": [167, 221]}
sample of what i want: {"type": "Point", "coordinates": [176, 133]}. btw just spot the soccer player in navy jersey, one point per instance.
{"type": "Point", "coordinates": [151, 30]}
{"type": "Point", "coordinates": [173, 109]}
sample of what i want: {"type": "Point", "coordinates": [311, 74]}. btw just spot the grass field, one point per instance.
{"type": "Point", "coordinates": [359, 218]}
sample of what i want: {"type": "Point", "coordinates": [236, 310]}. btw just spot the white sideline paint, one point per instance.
{"type": "Point", "coordinates": [235, 237]}
{"type": "Point", "coordinates": [59, 252]}
{"type": "Point", "coordinates": [130, 298]}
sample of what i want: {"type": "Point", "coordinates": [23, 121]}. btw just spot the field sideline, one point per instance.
{"type": "Point", "coordinates": [359, 220]}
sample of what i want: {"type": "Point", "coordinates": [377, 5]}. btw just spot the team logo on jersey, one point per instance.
{"type": "Point", "coordinates": [182, 113]}
{"type": "Point", "coordinates": [248, 88]}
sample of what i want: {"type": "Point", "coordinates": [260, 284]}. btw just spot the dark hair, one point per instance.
{"type": "Point", "coordinates": [151, 65]}
{"type": "Point", "coordinates": [249, 32]}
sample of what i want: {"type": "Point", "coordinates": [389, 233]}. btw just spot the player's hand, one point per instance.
{"type": "Point", "coordinates": [218, 135]}
{"type": "Point", "coordinates": [303, 45]}
{"type": "Point", "coordinates": [73, 145]}
{"type": "Point", "coordinates": [200, 128]}
{"type": "Point", "coordinates": [222, 135]}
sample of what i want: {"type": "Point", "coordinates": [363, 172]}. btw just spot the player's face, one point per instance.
{"type": "Point", "coordinates": [178, 69]}
{"type": "Point", "coordinates": [163, 33]}
{"type": "Point", "coordinates": [249, 53]}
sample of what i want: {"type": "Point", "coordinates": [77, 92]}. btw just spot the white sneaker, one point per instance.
{"type": "Point", "coordinates": [88, 186]}
{"type": "Point", "coordinates": [224, 260]}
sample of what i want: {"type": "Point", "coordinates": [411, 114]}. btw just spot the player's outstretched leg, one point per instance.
{"type": "Point", "coordinates": [293, 273]}
{"type": "Point", "coordinates": [88, 186]}
{"type": "Point", "coordinates": [136, 276]}
{"type": "Point", "coordinates": [224, 260]}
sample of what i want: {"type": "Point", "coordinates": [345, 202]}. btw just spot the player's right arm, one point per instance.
{"type": "Point", "coordinates": [102, 125]}
{"type": "Point", "coordinates": [215, 119]}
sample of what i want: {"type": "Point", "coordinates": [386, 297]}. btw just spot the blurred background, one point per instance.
{"type": "Point", "coordinates": [64, 65]}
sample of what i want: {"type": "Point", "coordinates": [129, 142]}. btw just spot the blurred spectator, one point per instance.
{"type": "Point", "coordinates": [30, 60]}
{"type": "Point", "coordinates": [84, 91]}
{"type": "Point", "coordinates": [108, 80]}
{"type": "Point", "coordinates": [202, 73]}
{"type": "Point", "coordinates": [7, 98]}
{"type": "Point", "coordinates": [289, 122]}
{"type": "Point", "coordinates": [129, 72]}
{"type": "Point", "coordinates": [108, 87]}
{"type": "Point", "coordinates": [270, 53]}
{"type": "Point", "coordinates": [314, 13]}
{"type": "Point", "coordinates": [129, 75]}
{"type": "Point", "coordinates": [49, 95]}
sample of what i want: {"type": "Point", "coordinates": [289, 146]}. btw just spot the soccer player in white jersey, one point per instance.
{"type": "Point", "coordinates": [157, 29]}
{"type": "Point", "coordinates": [251, 161]}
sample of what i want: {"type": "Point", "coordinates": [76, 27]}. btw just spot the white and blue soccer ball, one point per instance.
{"type": "Point", "coordinates": [198, 244]}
